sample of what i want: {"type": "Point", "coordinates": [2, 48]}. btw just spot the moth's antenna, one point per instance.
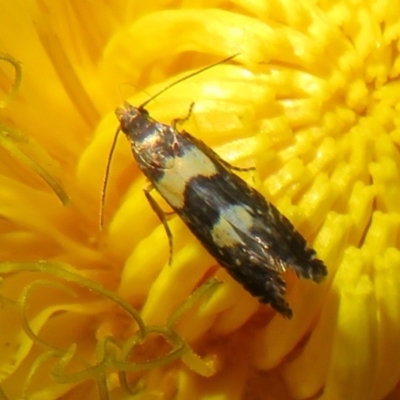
{"type": "Point", "coordinates": [106, 175]}
{"type": "Point", "coordinates": [108, 166]}
{"type": "Point", "coordinates": [199, 71]}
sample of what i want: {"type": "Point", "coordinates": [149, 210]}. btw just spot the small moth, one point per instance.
{"type": "Point", "coordinates": [245, 233]}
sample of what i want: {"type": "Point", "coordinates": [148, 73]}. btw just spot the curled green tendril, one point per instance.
{"type": "Point", "coordinates": [9, 141]}
{"type": "Point", "coordinates": [17, 79]}
{"type": "Point", "coordinates": [66, 273]}
{"type": "Point", "coordinates": [207, 287]}
{"type": "Point", "coordinates": [41, 359]}
{"type": "Point", "coordinates": [111, 353]}
{"type": "Point", "coordinates": [23, 307]}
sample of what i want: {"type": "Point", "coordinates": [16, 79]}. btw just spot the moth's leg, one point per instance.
{"type": "Point", "coordinates": [230, 166]}
{"type": "Point", "coordinates": [180, 121]}
{"type": "Point", "coordinates": [162, 216]}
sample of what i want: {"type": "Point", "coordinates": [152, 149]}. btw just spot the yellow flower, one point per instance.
{"type": "Point", "coordinates": [311, 100]}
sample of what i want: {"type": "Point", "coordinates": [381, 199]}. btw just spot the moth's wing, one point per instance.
{"type": "Point", "coordinates": [272, 235]}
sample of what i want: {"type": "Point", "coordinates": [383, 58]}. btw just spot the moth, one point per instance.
{"type": "Point", "coordinates": [244, 232]}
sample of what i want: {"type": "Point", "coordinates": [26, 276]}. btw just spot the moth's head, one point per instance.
{"type": "Point", "coordinates": [130, 117]}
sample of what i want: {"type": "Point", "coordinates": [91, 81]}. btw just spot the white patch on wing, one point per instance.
{"type": "Point", "coordinates": [232, 219]}
{"type": "Point", "coordinates": [193, 163]}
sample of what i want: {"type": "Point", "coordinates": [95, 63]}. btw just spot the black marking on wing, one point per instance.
{"type": "Point", "coordinates": [266, 250]}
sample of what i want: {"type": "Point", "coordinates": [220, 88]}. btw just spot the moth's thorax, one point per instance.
{"type": "Point", "coordinates": [152, 142]}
